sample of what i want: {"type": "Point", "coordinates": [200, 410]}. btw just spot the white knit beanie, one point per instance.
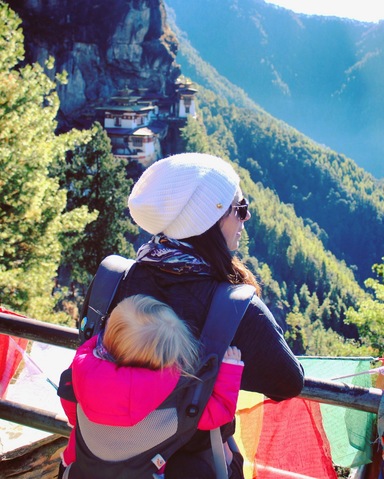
{"type": "Point", "coordinates": [183, 195]}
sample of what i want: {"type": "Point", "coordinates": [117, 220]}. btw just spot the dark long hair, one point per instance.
{"type": "Point", "coordinates": [212, 247]}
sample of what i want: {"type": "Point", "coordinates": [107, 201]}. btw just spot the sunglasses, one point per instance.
{"type": "Point", "coordinates": [241, 209]}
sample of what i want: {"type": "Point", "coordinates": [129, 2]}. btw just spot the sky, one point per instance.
{"type": "Point", "coordinates": [362, 10]}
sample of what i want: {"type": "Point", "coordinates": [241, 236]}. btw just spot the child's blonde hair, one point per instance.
{"type": "Point", "coordinates": [144, 332]}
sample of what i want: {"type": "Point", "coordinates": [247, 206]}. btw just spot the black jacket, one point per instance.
{"type": "Point", "coordinates": [270, 366]}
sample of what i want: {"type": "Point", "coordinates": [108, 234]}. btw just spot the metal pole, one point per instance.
{"type": "Point", "coordinates": [39, 331]}
{"type": "Point", "coordinates": [341, 394]}
{"type": "Point", "coordinates": [34, 417]}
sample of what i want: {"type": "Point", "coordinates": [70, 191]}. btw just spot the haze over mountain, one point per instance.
{"type": "Point", "coordinates": [329, 190]}
{"type": "Point", "coordinates": [322, 75]}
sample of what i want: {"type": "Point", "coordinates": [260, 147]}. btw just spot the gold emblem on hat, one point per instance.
{"type": "Point", "coordinates": [219, 205]}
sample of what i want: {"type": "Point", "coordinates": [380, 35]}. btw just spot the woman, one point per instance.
{"type": "Point", "coordinates": [193, 205]}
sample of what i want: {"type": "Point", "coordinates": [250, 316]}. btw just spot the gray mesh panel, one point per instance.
{"type": "Point", "coordinates": [116, 443]}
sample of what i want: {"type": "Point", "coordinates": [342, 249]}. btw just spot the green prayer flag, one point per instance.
{"type": "Point", "coordinates": [350, 432]}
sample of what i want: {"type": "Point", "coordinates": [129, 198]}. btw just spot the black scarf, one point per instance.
{"type": "Point", "coordinates": [173, 256]}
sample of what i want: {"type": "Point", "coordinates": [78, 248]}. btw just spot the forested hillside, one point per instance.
{"type": "Point", "coordinates": [63, 206]}
{"type": "Point", "coordinates": [305, 285]}
{"type": "Point", "coordinates": [322, 75]}
{"type": "Point", "coordinates": [343, 204]}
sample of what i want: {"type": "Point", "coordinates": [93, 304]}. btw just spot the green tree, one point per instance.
{"type": "Point", "coordinates": [296, 335]}
{"type": "Point", "coordinates": [311, 338]}
{"type": "Point", "coordinates": [96, 178]}
{"type": "Point", "coordinates": [369, 316]}
{"type": "Point", "coordinates": [31, 202]}
{"type": "Point", "coordinates": [195, 136]}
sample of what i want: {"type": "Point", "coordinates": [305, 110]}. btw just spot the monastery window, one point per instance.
{"type": "Point", "coordinates": [137, 141]}
{"type": "Point", "coordinates": [117, 120]}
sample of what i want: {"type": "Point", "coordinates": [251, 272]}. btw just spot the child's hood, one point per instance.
{"type": "Point", "coordinates": [117, 396]}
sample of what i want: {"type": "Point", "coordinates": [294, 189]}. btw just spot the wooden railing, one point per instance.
{"type": "Point", "coordinates": [329, 392]}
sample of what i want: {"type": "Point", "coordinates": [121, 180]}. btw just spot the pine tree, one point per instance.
{"type": "Point", "coordinates": [195, 136]}
{"type": "Point", "coordinates": [31, 202]}
{"type": "Point", "coordinates": [96, 178]}
{"type": "Point", "coordinates": [369, 316]}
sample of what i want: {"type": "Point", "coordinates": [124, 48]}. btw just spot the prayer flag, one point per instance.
{"type": "Point", "coordinates": [10, 357]}
{"type": "Point", "coordinates": [303, 439]}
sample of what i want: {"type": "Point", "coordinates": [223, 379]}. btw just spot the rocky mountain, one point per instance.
{"type": "Point", "coordinates": [103, 49]}
{"type": "Point", "coordinates": [322, 75]}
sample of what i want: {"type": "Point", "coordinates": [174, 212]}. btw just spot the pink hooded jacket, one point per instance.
{"type": "Point", "coordinates": [123, 396]}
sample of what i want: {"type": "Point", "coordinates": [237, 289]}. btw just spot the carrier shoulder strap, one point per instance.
{"type": "Point", "coordinates": [100, 294]}
{"type": "Point", "coordinates": [226, 311]}
{"type": "Point", "coordinates": [227, 308]}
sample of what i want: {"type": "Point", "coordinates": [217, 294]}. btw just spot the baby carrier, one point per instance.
{"type": "Point", "coordinates": [140, 451]}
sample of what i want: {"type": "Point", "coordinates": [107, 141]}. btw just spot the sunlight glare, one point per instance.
{"type": "Point", "coordinates": [365, 11]}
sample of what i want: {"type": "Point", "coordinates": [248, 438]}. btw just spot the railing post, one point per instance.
{"type": "Point", "coordinates": [34, 417]}
{"type": "Point", "coordinates": [39, 331]}
{"type": "Point", "coordinates": [342, 394]}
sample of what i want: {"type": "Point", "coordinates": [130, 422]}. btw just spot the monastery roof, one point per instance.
{"type": "Point", "coordinates": [128, 108]}
{"type": "Point", "coordinates": [154, 128]}
{"type": "Point", "coordinates": [143, 132]}
{"type": "Point", "coordinates": [184, 91]}
{"type": "Point", "coordinates": [125, 98]}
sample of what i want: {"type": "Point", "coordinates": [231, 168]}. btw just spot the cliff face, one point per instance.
{"type": "Point", "coordinates": [104, 46]}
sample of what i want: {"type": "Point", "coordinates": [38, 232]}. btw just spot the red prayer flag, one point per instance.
{"type": "Point", "coordinates": [293, 443]}
{"type": "Point", "coordinates": [10, 356]}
